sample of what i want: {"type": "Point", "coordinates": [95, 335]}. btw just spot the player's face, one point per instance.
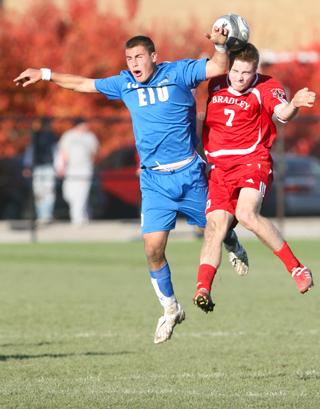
{"type": "Point", "coordinates": [242, 74]}
{"type": "Point", "coordinates": [140, 63]}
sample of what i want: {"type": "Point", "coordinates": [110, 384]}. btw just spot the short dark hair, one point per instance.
{"type": "Point", "coordinates": [249, 53]}
{"type": "Point", "coordinates": [146, 42]}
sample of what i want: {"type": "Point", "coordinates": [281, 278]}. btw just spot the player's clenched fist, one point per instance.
{"type": "Point", "coordinates": [28, 77]}
{"type": "Point", "coordinates": [218, 35]}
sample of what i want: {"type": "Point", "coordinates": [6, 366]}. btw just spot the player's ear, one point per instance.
{"type": "Point", "coordinates": [154, 56]}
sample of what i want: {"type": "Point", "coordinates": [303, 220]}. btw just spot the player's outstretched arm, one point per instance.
{"type": "Point", "coordinates": [302, 98]}
{"type": "Point", "coordinates": [74, 82]}
{"type": "Point", "coordinates": [218, 64]}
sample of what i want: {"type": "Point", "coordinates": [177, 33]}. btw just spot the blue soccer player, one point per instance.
{"type": "Point", "coordinates": [172, 178]}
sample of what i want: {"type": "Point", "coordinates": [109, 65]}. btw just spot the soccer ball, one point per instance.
{"type": "Point", "coordinates": [238, 30]}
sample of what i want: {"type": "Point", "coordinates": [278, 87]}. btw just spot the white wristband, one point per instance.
{"type": "Point", "coordinates": [45, 74]}
{"type": "Point", "coordinates": [220, 48]}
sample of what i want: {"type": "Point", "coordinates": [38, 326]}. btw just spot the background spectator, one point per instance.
{"type": "Point", "coordinates": [38, 164]}
{"type": "Point", "coordinates": [77, 150]}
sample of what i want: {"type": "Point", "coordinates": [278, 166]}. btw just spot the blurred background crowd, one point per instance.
{"type": "Point", "coordinates": [86, 37]}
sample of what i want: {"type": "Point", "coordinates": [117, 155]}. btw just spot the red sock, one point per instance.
{"type": "Point", "coordinates": [287, 257]}
{"type": "Point", "coordinates": [206, 275]}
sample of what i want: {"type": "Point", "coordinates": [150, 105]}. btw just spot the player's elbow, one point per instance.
{"type": "Point", "coordinates": [86, 85]}
{"type": "Point", "coordinates": [214, 69]}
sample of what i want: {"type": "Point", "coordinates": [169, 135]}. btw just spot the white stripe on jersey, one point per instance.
{"type": "Point", "coordinates": [224, 152]}
{"type": "Point", "coordinates": [262, 188]}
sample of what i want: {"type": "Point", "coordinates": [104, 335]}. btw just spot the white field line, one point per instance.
{"type": "Point", "coordinates": [104, 389]}
{"type": "Point", "coordinates": [212, 393]}
{"type": "Point", "coordinates": [201, 334]}
{"type": "Point", "coordinates": [182, 376]}
{"type": "Point", "coordinates": [209, 334]}
{"type": "Point", "coordinates": [309, 373]}
{"type": "Point", "coordinates": [276, 394]}
{"type": "Point", "coordinates": [177, 334]}
{"type": "Point", "coordinates": [214, 375]}
{"type": "Point", "coordinates": [198, 334]}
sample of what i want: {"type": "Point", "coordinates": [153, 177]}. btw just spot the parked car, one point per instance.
{"type": "Point", "coordinates": [119, 182]}
{"type": "Point", "coordinates": [301, 186]}
{"type": "Point", "coordinates": [14, 188]}
{"type": "Point", "coordinates": [115, 191]}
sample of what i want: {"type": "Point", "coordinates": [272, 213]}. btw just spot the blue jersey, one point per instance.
{"type": "Point", "coordinates": [162, 110]}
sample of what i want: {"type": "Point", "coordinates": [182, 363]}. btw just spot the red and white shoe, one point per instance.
{"type": "Point", "coordinates": [303, 278]}
{"type": "Point", "coordinates": [203, 300]}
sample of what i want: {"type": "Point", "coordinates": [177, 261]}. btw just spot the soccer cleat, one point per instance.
{"type": "Point", "coordinates": [173, 315]}
{"type": "Point", "coordinates": [239, 261]}
{"type": "Point", "coordinates": [203, 300]}
{"type": "Point", "coordinates": [303, 278]}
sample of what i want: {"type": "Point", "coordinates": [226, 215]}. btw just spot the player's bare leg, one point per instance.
{"type": "Point", "coordinates": [155, 244]}
{"type": "Point", "coordinates": [218, 223]}
{"type": "Point", "coordinates": [248, 215]}
{"type": "Point", "coordinates": [237, 254]}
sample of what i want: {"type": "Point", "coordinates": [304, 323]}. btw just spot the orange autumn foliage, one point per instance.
{"type": "Point", "coordinates": [82, 40]}
{"type": "Point", "coordinates": [302, 135]}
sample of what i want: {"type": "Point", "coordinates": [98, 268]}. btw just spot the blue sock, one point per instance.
{"type": "Point", "coordinates": [161, 281]}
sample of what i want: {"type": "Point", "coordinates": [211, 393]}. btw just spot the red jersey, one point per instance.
{"type": "Point", "coordinates": [238, 125]}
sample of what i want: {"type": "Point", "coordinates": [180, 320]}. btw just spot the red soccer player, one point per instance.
{"type": "Point", "coordinates": [237, 138]}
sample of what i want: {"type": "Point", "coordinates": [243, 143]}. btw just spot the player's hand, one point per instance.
{"type": "Point", "coordinates": [304, 98]}
{"type": "Point", "coordinates": [28, 77]}
{"type": "Point", "coordinates": [218, 35]}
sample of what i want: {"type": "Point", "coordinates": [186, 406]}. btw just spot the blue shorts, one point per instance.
{"type": "Point", "coordinates": [165, 194]}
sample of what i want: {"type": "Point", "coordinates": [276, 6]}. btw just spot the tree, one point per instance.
{"type": "Point", "coordinates": [302, 135]}
{"type": "Point", "coordinates": [82, 40]}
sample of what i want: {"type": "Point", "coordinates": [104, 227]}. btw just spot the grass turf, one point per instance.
{"type": "Point", "coordinates": [77, 323]}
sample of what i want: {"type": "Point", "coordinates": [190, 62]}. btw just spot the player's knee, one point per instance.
{"type": "Point", "coordinates": [153, 253]}
{"type": "Point", "coordinates": [246, 218]}
{"type": "Point", "coordinates": [215, 229]}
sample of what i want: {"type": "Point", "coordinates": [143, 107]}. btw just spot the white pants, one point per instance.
{"type": "Point", "coordinates": [44, 191]}
{"type": "Point", "coordinates": [75, 191]}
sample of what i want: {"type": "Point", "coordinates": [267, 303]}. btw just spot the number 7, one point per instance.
{"type": "Point", "coordinates": [231, 114]}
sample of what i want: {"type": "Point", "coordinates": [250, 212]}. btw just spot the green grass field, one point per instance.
{"type": "Point", "coordinates": [77, 324]}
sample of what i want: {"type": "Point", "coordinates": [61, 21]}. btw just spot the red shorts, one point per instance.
{"type": "Point", "coordinates": [225, 185]}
